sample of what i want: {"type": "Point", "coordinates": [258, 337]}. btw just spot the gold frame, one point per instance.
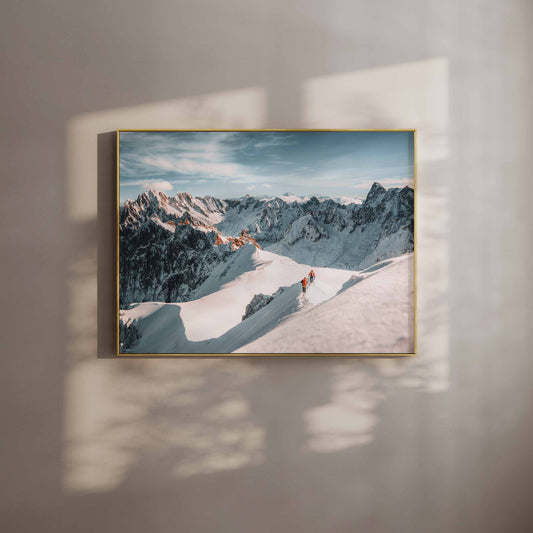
{"type": "Point", "coordinates": [191, 355]}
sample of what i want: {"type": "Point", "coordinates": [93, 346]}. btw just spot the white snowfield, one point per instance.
{"type": "Point", "coordinates": [231, 287]}
{"type": "Point", "coordinates": [342, 312]}
{"type": "Point", "coordinates": [374, 314]}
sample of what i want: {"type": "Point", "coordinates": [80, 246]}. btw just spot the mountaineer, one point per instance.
{"type": "Point", "coordinates": [304, 284]}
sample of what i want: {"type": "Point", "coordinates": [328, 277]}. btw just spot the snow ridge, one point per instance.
{"type": "Point", "coordinates": [341, 312]}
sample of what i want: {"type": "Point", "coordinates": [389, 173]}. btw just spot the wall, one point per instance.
{"type": "Point", "coordinates": [437, 443]}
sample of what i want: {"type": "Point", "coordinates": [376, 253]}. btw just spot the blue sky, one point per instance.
{"type": "Point", "coordinates": [232, 164]}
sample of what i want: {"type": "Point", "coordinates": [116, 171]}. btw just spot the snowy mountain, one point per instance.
{"type": "Point", "coordinates": [205, 211]}
{"type": "Point", "coordinates": [206, 275]}
{"type": "Point", "coordinates": [352, 236]}
{"type": "Point", "coordinates": [231, 287]}
{"type": "Point", "coordinates": [341, 311]}
{"type": "Point", "coordinates": [171, 246]}
{"type": "Point", "coordinates": [372, 313]}
{"type": "Point", "coordinates": [290, 198]}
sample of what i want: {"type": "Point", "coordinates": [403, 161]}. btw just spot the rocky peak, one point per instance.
{"type": "Point", "coordinates": [152, 199]}
{"type": "Point", "coordinates": [169, 245]}
{"type": "Point", "coordinates": [184, 199]}
{"type": "Point", "coordinates": [147, 204]}
{"type": "Point", "coordinates": [375, 194]}
{"type": "Point", "coordinates": [306, 227]}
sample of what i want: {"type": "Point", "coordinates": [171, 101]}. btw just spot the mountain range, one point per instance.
{"type": "Point", "coordinates": [169, 245]}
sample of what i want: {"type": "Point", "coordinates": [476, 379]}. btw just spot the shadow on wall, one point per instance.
{"type": "Point", "coordinates": [152, 422]}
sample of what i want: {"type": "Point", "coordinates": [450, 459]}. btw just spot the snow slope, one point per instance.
{"type": "Point", "coordinates": [342, 312]}
{"type": "Point", "coordinates": [253, 271]}
{"type": "Point", "coordinates": [213, 322]}
{"type": "Point", "coordinates": [373, 314]}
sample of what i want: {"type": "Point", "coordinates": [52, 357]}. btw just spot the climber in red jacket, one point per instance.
{"type": "Point", "coordinates": [304, 284]}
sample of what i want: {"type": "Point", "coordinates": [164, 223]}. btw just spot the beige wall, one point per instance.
{"type": "Point", "coordinates": [437, 443]}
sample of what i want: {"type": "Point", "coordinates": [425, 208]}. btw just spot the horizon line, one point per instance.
{"type": "Point", "coordinates": [155, 191]}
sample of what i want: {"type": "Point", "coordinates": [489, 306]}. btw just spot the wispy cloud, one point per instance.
{"type": "Point", "coordinates": [194, 155]}
{"type": "Point", "coordinates": [162, 185]}
{"type": "Point", "coordinates": [275, 139]}
{"type": "Point", "coordinates": [155, 185]}
{"type": "Point", "coordinates": [189, 166]}
{"type": "Point", "coordinates": [224, 163]}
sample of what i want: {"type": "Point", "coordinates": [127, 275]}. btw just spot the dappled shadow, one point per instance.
{"type": "Point", "coordinates": [315, 444]}
{"type": "Point", "coordinates": [411, 94]}
{"type": "Point", "coordinates": [358, 387]}
{"type": "Point", "coordinates": [123, 415]}
{"type": "Point", "coordinates": [119, 414]}
{"type": "Point", "coordinates": [133, 426]}
{"type": "Point", "coordinates": [285, 434]}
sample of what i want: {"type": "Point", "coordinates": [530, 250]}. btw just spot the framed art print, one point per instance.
{"type": "Point", "coordinates": [277, 242]}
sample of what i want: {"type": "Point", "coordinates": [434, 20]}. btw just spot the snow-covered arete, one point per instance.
{"type": "Point", "coordinates": [189, 267]}
{"type": "Point", "coordinates": [374, 314]}
{"type": "Point", "coordinates": [371, 311]}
